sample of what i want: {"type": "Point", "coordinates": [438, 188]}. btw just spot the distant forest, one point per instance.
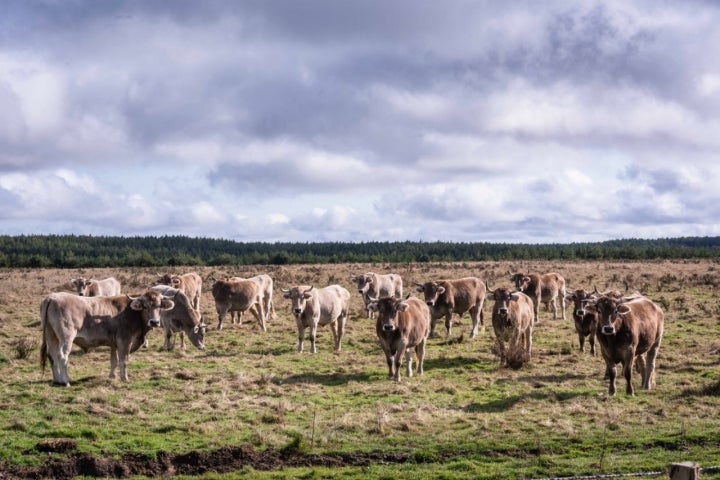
{"type": "Point", "coordinates": [72, 251]}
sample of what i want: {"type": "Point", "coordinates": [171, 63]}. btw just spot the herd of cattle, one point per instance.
{"type": "Point", "coordinates": [629, 328]}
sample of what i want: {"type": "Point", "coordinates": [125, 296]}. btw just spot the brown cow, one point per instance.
{"type": "Point", "coordinates": [585, 320]}
{"type": "Point", "coordinates": [317, 307]}
{"type": "Point", "coordinates": [542, 288]}
{"type": "Point", "coordinates": [401, 326]}
{"type": "Point", "coordinates": [446, 297]}
{"type": "Point", "coordinates": [119, 322]}
{"type": "Point", "coordinates": [190, 283]}
{"type": "Point", "coordinates": [629, 329]}
{"type": "Point", "coordinates": [512, 320]}
{"type": "Point", "coordinates": [107, 287]}
{"type": "Point", "coordinates": [373, 285]}
{"type": "Point", "coordinates": [240, 295]}
{"type": "Point", "coordinates": [265, 282]}
{"type": "Point", "coordinates": [183, 318]}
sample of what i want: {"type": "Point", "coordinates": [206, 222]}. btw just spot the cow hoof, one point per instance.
{"type": "Point", "coordinates": [60, 384]}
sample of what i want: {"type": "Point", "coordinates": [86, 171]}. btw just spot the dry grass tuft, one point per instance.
{"type": "Point", "coordinates": [24, 347]}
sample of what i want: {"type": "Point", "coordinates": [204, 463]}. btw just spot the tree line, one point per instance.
{"type": "Point", "coordinates": [75, 251]}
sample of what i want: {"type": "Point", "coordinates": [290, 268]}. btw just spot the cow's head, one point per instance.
{"type": "Point", "coordinates": [298, 296]}
{"type": "Point", "coordinates": [610, 311]}
{"type": "Point", "coordinates": [580, 299]}
{"type": "Point", "coordinates": [164, 279]}
{"type": "Point", "coordinates": [81, 285]}
{"type": "Point", "coordinates": [150, 304]}
{"type": "Point", "coordinates": [521, 281]}
{"type": "Point", "coordinates": [363, 282]}
{"type": "Point", "coordinates": [175, 281]}
{"type": "Point", "coordinates": [431, 291]}
{"type": "Point", "coordinates": [388, 309]}
{"type": "Point", "coordinates": [502, 297]}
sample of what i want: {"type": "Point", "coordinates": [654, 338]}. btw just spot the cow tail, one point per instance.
{"type": "Point", "coordinates": [43, 325]}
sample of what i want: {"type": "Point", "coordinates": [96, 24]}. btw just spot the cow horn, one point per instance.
{"type": "Point", "coordinates": [306, 291]}
{"type": "Point", "coordinates": [284, 291]}
{"type": "Point", "coordinates": [596, 291]}
{"type": "Point", "coordinates": [487, 287]}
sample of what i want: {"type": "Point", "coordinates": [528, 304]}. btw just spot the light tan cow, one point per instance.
{"type": "Point", "coordinates": [629, 329]}
{"type": "Point", "coordinates": [512, 320]}
{"type": "Point", "coordinates": [190, 283]}
{"type": "Point", "coordinates": [317, 307]}
{"type": "Point", "coordinates": [373, 285]}
{"type": "Point", "coordinates": [265, 282]}
{"type": "Point", "coordinates": [402, 326]}
{"type": "Point", "coordinates": [119, 322]}
{"type": "Point", "coordinates": [542, 288]}
{"type": "Point", "coordinates": [461, 295]}
{"type": "Point", "coordinates": [96, 288]}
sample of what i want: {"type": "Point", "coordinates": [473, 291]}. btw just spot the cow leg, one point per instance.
{"type": "Point", "coordinates": [313, 332]}
{"type": "Point", "coordinates": [390, 362]}
{"type": "Point", "coordinates": [563, 305]}
{"type": "Point", "coordinates": [123, 356]}
{"type": "Point", "coordinates": [433, 322]}
{"type": "Point", "coordinates": [420, 354]}
{"type": "Point", "coordinates": [397, 360]}
{"type": "Point", "coordinates": [581, 339]}
{"type": "Point", "coordinates": [301, 334]}
{"type": "Point", "coordinates": [182, 341]}
{"type": "Point", "coordinates": [259, 313]}
{"type": "Point", "coordinates": [528, 340]}
{"type": "Point", "coordinates": [611, 372]}
{"type": "Point", "coordinates": [536, 304]}
{"type": "Point", "coordinates": [59, 355]}
{"type": "Point", "coordinates": [169, 343]}
{"type": "Point", "coordinates": [649, 377]}
{"type": "Point", "coordinates": [113, 361]}
{"type": "Point", "coordinates": [448, 324]}
{"type": "Point", "coordinates": [221, 318]}
{"type": "Point", "coordinates": [501, 350]}
{"type": "Point", "coordinates": [554, 308]}
{"type": "Point", "coordinates": [592, 342]}
{"type": "Point", "coordinates": [475, 316]}
{"type": "Point", "coordinates": [408, 360]}
{"type": "Point", "coordinates": [627, 364]}
{"type": "Point", "coordinates": [340, 331]}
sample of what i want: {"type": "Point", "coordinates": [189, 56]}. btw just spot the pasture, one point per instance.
{"type": "Point", "coordinates": [250, 404]}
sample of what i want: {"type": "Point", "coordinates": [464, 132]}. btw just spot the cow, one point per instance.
{"type": "Point", "coordinates": [240, 295]}
{"type": "Point", "coordinates": [446, 297]}
{"type": "Point", "coordinates": [119, 322]}
{"type": "Point", "coordinates": [512, 320]}
{"type": "Point", "coordinates": [628, 329]}
{"type": "Point", "coordinates": [265, 282]}
{"type": "Point", "coordinates": [374, 286]}
{"type": "Point", "coordinates": [183, 318]}
{"type": "Point", "coordinates": [107, 287]}
{"type": "Point", "coordinates": [585, 320]}
{"type": "Point", "coordinates": [190, 283]}
{"type": "Point", "coordinates": [542, 288]}
{"type": "Point", "coordinates": [317, 307]}
{"type": "Point", "coordinates": [401, 326]}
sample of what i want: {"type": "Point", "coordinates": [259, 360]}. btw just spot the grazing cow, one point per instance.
{"type": "Point", "coordinates": [373, 286]}
{"type": "Point", "coordinates": [314, 307]}
{"type": "Point", "coordinates": [119, 322]}
{"type": "Point", "coordinates": [401, 326]}
{"type": "Point", "coordinates": [585, 319]}
{"type": "Point", "coordinates": [240, 295]}
{"type": "Point", "coordinates": [265, 282]}
{"type": "Point", "coordinates": [446, 297]}
{"type": "Point", "coordinates": [629, 329]}
{"type": "Point", "coordinates": [542, 288]}
{"type": "Point", "coordinates": [512, 320]}
{"type": "Point", "coordinates": [183, 318]}
{"type": "Point", "coordinates": [190, 283]}
{"type": "Point", "coordinates": [96, 288]}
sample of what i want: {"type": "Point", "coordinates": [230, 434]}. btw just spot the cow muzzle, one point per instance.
{"type": "Point", "coordinates": [154, 323]}
{"type": "Point", "coordinates": [608, 329]}
{"type": "Point", "coordinates": [430, 303]}
{"type": "Point", "coordinates": [580, 312]}
{"type": "Point", "coordinates": [297, 311]}
{"type": "Point", "coordinates": [388, 327]}
{"type": "Point", "coordinates": [503, 311]}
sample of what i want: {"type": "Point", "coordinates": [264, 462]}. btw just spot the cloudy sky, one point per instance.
{"type": "Point", "coordinates": [326, 120]}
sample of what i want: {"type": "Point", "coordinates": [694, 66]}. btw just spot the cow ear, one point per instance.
{"type": "Point", "coordinates": [623, 309]}
{"type": "Point", "coordinates": [286, 295]}
{"type": "Point", "coordinates": [89, 282]}
{"type": "Point", "coordinates": [372, 306]}
{"type": "Point", "coordinates": [489, 295]}
{"type": "Point", "coordinates": [402, 306]}
{"type": "Point", "coordinates": [307, 296]}
{"type": "Point", "coordinates": [137, 304]}
{"type": "Point", "coordinates": [441, 290]}
{"type": "Point", "coordinates": [419, 289]}
{"type": "Point", "coordinates": [166, 304]}
{"type": "Point", "coordinates": [570, 296]}
{"type": "Point", "coordinates": [514, 296]}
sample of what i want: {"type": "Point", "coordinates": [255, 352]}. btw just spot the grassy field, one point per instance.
{"type": "Point", "coordinates": [251, 404]}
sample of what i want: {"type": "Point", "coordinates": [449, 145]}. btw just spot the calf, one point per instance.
{"type": "Point", "coordinates": [96, 288]}
{"type": "Point", "coordinates": [401, 326]}
{"type": "Point", "coordinates": [542, 288]}
{"type": "Point", "coordinates": [628, 329]}
{"type": "Point", "coordinates": [585, 319]}
{"type": "Point", "coordinates": [183, 318]}
{"type": "Point", "coordinates": [190, 283]}
{"type": "Point", "coordinates": [119, 322]}
{"type": "Point", "coordinates": [446, 297]}
{"type": "Point", "coordinates": [373, 286]}
{"type": "Point", "coordinates": [512, 320]}
{"type": "Point", "coordinates": [240, 295]}
{"type": "Point", "coordinates": [317, 307]}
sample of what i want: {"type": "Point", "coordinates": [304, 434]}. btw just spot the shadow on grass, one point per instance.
{"type": "Point", "coordinates": [454, 362]}
{"type": "Point", "coordinates": [328, 379]}
{"type": "Point", "coordinates": [503, 404]}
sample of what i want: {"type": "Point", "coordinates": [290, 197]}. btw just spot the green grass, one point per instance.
{"type": "Point", "coordinates": [463, 418]}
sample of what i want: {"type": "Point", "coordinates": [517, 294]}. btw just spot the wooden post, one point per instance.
{"type": "Point", "coordinates": [684, 471]}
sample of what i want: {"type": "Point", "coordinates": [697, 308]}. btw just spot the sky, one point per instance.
{"type": "Point", "coordinates": [373, 120]}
